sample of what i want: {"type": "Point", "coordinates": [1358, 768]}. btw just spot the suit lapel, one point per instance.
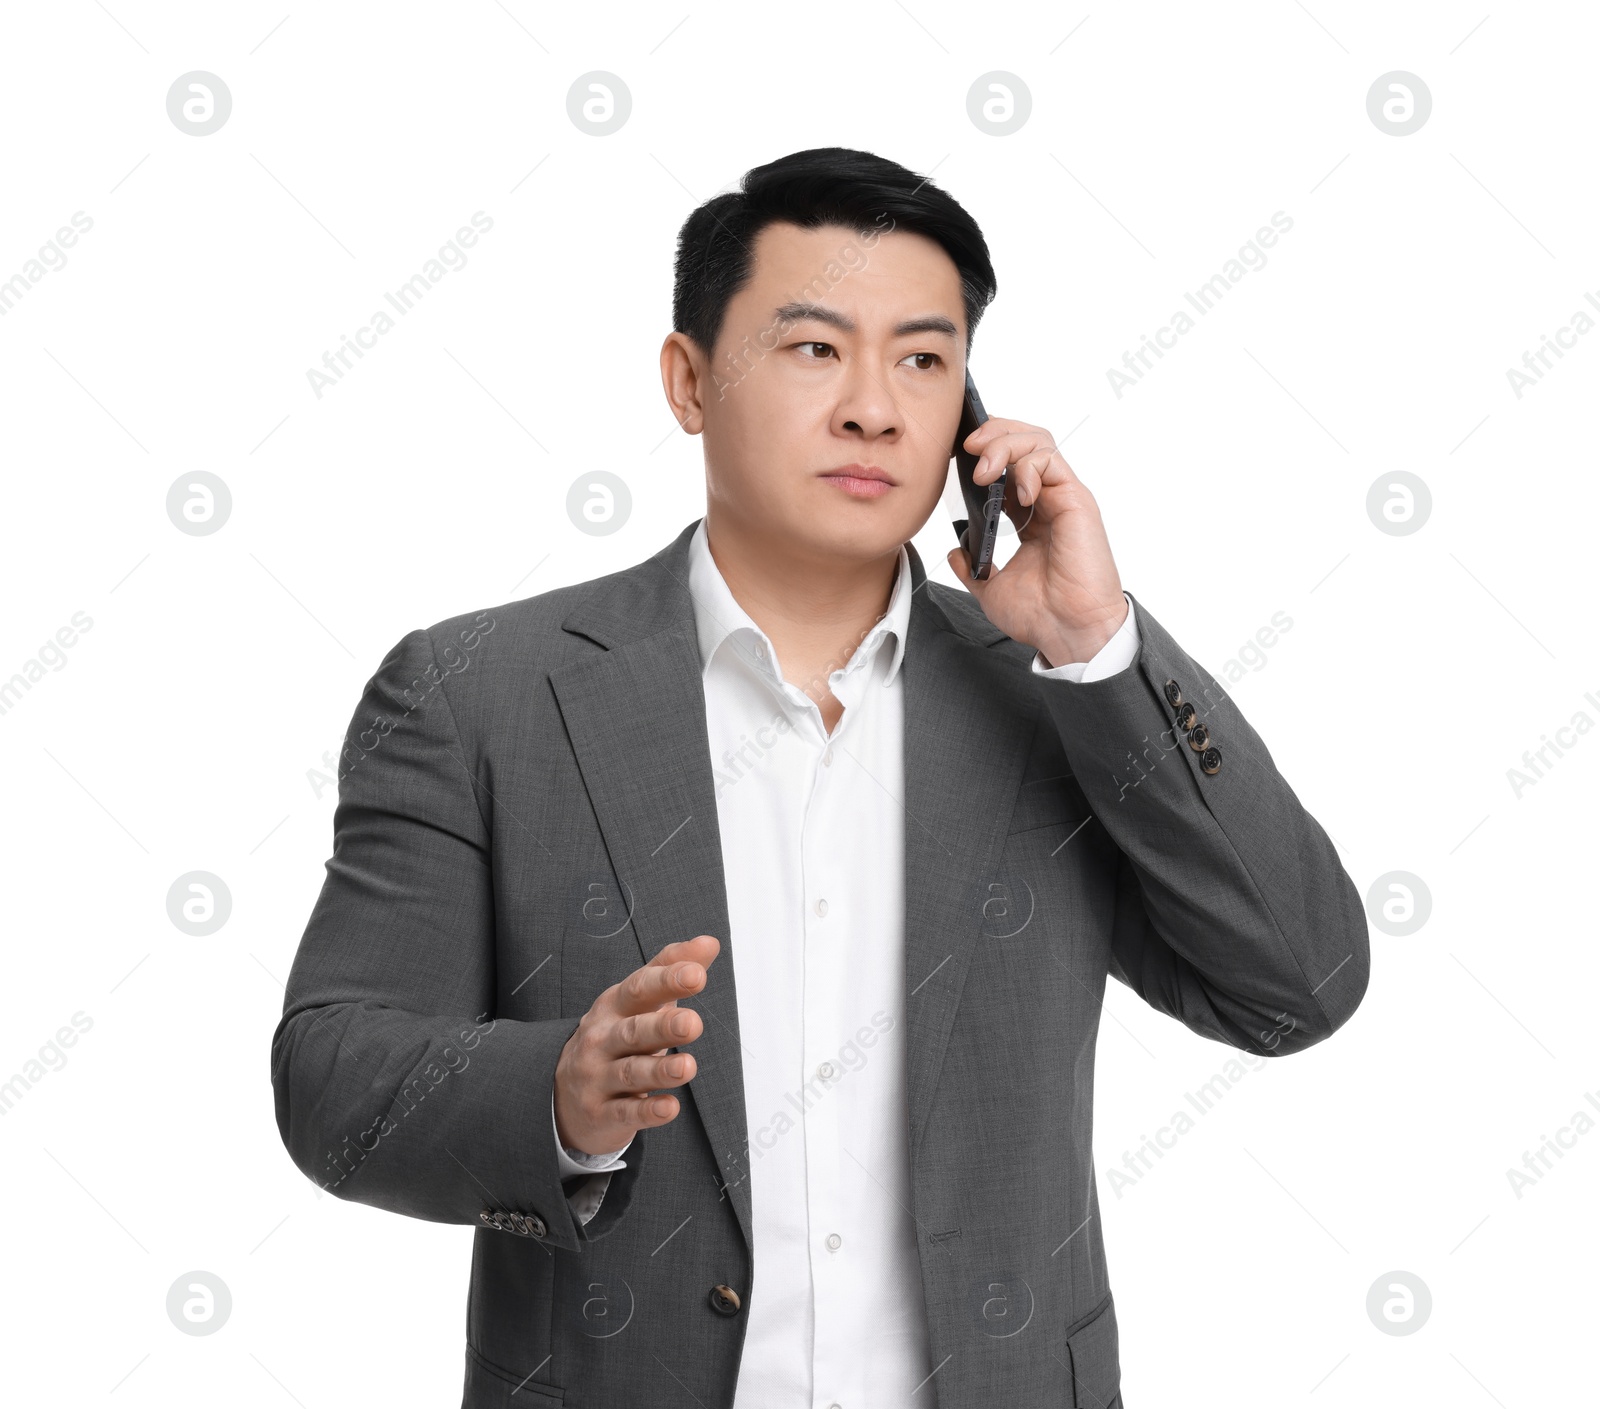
{"type": "Point", "coordinates": [636, 718]}
{"type": "Point", "coordinates": [969, 724]}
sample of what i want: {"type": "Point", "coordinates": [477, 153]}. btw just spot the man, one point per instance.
{"type": "Point", "coordinates": [725, 938]}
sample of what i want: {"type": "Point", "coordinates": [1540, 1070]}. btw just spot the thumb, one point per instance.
{"type": "Point", "coordinates": [959, 565]}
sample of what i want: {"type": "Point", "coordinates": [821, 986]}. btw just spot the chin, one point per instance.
{"type": "Point", "coordinates": [859, 529]}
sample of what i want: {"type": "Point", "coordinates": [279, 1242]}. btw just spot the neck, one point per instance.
{"type": "Point", "coordinates": [815, 611]}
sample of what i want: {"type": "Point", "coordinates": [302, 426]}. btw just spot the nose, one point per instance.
{"type": "Point", "coordinates": [865, 407]}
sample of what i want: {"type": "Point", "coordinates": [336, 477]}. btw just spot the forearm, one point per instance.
{"type": "Point", "coordinates": [427, 1116]}
{"type": "Point", "coordinates": [1240, 921]}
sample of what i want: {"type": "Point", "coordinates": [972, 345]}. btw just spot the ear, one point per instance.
{"type": "Point", "coordinates": [686, 379]}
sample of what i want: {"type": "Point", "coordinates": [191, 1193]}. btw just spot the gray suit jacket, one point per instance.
{"type": "Point", "coordinates": [526, 815]}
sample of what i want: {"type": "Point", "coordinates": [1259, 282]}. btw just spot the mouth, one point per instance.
{"type": "Point", "coordinates": [860, 481]}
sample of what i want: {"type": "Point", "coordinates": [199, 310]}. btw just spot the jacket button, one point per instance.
{"type": "Point", "coordinates": [1210, 761]}
{"type": "Point", "coordinates": [1199, 738]}
{"type": "Point", "coordinates": [724, 1300]}
{"type": "Point", "coordinates": [1186, 717]}
{"type": "Point", "coordinates": [1173, 693]}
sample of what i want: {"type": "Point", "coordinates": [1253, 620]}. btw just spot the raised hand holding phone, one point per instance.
{"type": "Point", "coordinates": [1060, 591]}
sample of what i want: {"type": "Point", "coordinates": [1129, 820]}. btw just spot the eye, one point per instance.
{"type": "Point", "coordinates": [932, 356]}
{"type": "Point", "coordinates": [810, 357]}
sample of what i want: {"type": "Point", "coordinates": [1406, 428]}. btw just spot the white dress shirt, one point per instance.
{"type": "Point", "coordinates": [813, 852]}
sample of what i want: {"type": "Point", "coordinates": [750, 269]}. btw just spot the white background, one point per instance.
{"type": "Point", "coordinates": [432, 480]}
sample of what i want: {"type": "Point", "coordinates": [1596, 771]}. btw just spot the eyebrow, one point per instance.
{"type": "Point", "coordinates": [929, 323]}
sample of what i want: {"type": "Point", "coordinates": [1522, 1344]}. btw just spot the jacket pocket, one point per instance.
{"type": "Point", "coordinates": [491, 1387]}
{"type": "Point", "coordinates": [1050, 802]}
{"type": "Point", "coordinates": [1096, 1370]}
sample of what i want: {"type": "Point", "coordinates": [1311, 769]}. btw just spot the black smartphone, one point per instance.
{"type": "Point", "coordinates": [978, 532]}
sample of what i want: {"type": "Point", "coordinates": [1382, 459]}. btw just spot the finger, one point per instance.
{"type": "Point", "coordinates": [639, 1074]}
{"type": "Point", "coordinates": [666, 978]}
{"type": "Point", "coordinates": [621, 1116]}
{"type": "Point", "coordinates": [643, 1112]}
{"type": "Point", "coordinates": [668, 1026]}
{"type": "Point", "coordinates": [963, 570]}
{"type": "Point", "coordinates": [1032, 472]}
{"type": "Point", "coordinates": [1020, 514]}
{"type": "Point", "coordinates": [648, 988]}
{"type": "Point", "coordinates": [703, 948]}
{"type": "Point", "coordinates": [978, 439]}
{"type": "Point", "coordinates": [1007, 449]}
{"type": "Point", "coordinates": [1043, 466]}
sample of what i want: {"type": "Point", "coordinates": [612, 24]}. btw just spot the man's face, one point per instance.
{"type": "Point", "coordinates": [871, 378]}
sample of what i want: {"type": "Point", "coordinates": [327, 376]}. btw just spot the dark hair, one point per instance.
{"type": "Point", "coordinates": [822, 186]}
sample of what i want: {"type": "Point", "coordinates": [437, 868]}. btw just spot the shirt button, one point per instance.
{"type": "Point", "coordinates": [835, 1241]}
{"type": "Point", "coordinates": [827, 756]}
{"type": "Point", "coordinates": [825, 1071]}
{"type": "Point", "coordinates": [822, 907]}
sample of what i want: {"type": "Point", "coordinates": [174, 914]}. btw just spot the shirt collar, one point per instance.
{"type": "Point", "coordinates": [718, 615]}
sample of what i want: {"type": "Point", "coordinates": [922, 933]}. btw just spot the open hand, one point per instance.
{"type": "Point", "coordinates": [619, 1054]}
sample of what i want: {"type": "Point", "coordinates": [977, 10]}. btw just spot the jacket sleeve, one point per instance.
{"type": "Point", "coordinates": [1233, 912]}
{"type": "Point", "coordinates": [396, 1083]}
{"type": "Point", "coordinates": [585, 1177]}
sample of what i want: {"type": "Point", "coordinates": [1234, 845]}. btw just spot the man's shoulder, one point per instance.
{"type": "Point", "coordinates": [526, 618]}
{"type": "Point", "coordinates": [547, 628]}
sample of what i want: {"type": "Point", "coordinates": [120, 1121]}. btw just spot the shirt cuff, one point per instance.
{"type": "Point", "coordinates": [575, 1162]}
{"type": "Point", "coordinates": [1116, 655]}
